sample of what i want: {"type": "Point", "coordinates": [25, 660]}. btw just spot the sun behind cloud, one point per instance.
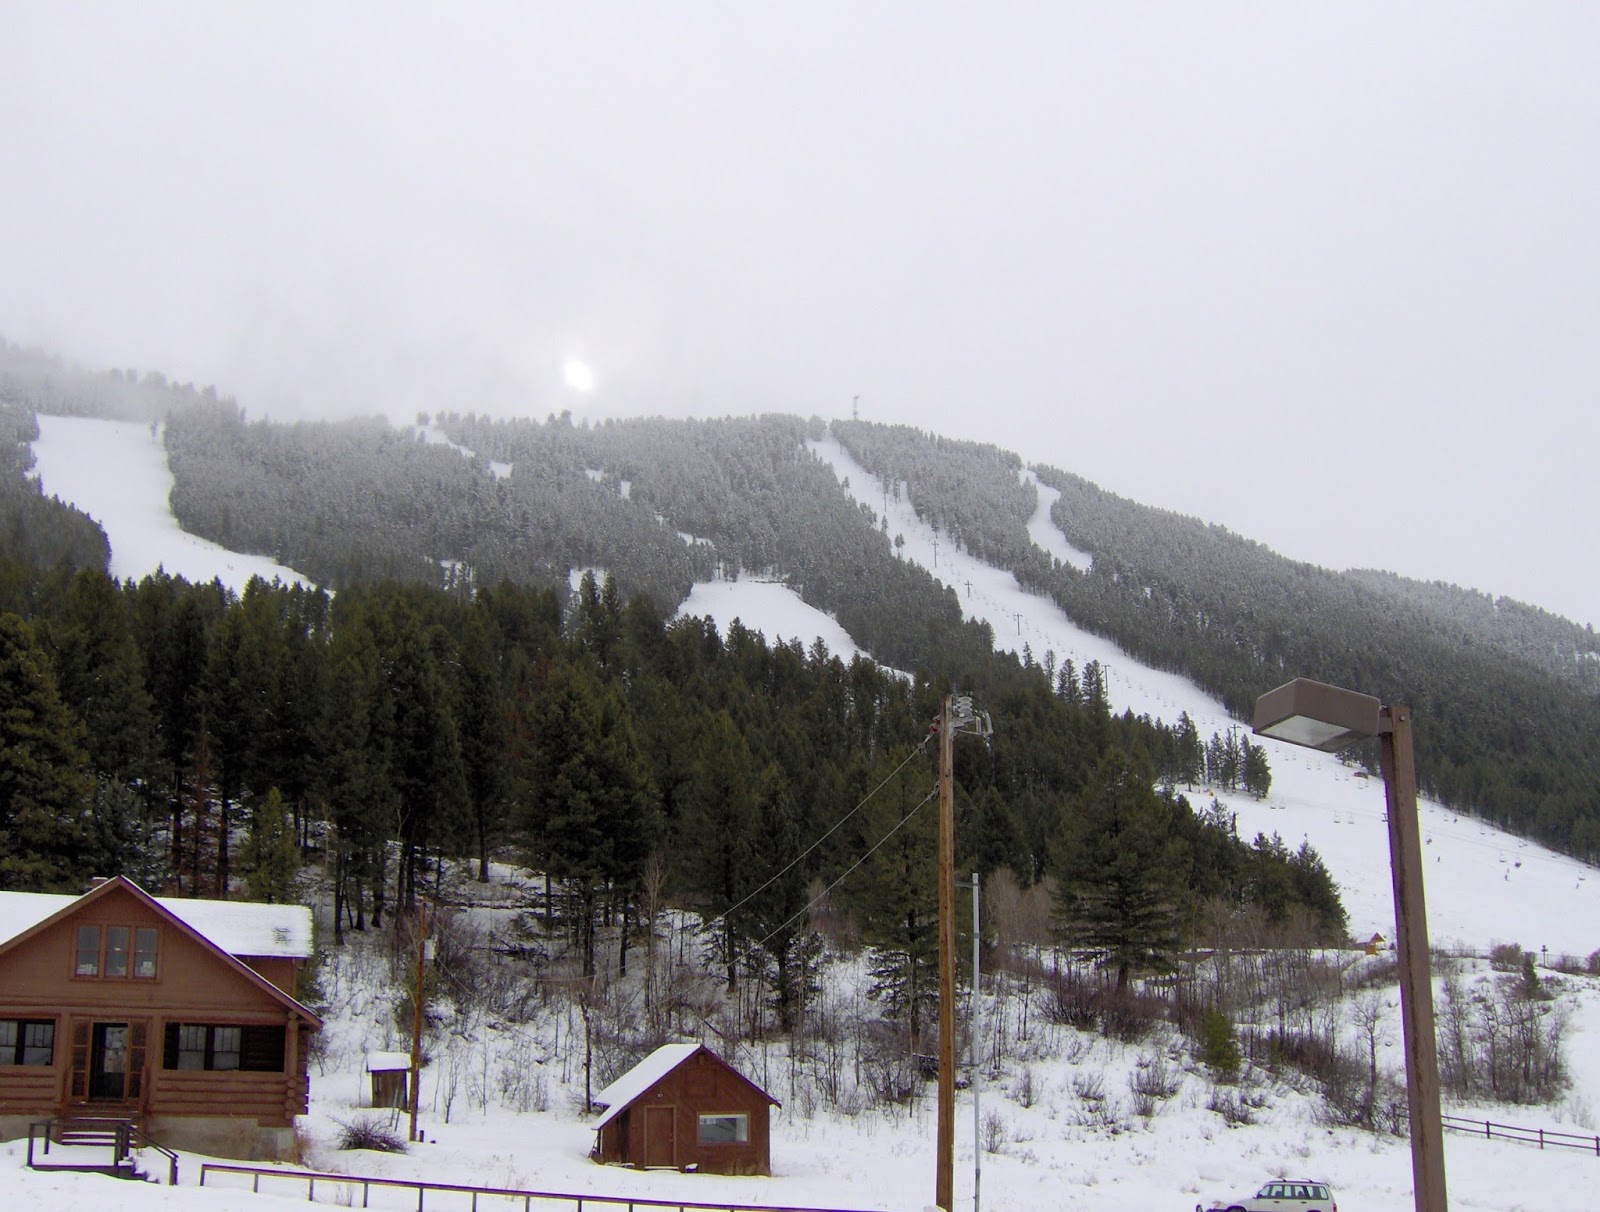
{"type": "Point", "coordinates": [578, 375]}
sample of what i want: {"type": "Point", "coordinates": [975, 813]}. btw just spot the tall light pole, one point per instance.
{"type": "Point", "coordinates": [956, 715]}
{"type": "Point", "coordinates": [1328, 718]}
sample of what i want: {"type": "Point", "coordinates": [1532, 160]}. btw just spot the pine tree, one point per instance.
{"type": "Point", "coordinates": [45, 783]}
{"type": "Point", "coordinates": [1120, 863]}
{"type": "Point", "coordinates": [270, 858]}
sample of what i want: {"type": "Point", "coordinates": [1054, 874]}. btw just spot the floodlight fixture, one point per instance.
{"type": "Point", "coordinates": [1317, 715]}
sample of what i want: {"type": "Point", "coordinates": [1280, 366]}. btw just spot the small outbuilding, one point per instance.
{"type": "Point", "coordinates": [685, 1107]}
{"type": "Point", "coordinates": [391, 1074]}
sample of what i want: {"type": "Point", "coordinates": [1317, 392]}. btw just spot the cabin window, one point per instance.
{"type": "Point", "coordinates": [88, 961]}
{"type": "Point", "coordinates": [27, 1042]}
{"type": "Point", "coordinates": [254, 1049]}
{"type": "Point", "coordinates": [144, 953]}
{"type": "Point", "coordinates": [724, 1129]}
{"type": "Point", "coordinates": [116, 951]}
{"type": "Point", "coordinates": [128, 951]}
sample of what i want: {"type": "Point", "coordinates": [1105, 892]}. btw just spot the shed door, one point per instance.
{"type": "Point", "coordinates": [659, 1149]}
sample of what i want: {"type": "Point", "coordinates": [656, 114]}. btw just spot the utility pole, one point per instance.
{"type": "Point", "coordinates": [416, 1020]}
{"type": "Point", "coordinates": [944, 1182]}
{"type": "Point", "coordinates": [956, 715]}
{"type": "Point", "coordinates": [977, 1123]}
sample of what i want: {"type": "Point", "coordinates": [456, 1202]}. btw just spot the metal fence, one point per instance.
{"type": "Point", "coordinates": [345, 1185]}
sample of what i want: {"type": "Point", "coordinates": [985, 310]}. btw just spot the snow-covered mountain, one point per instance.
{"type": "Point", "coordinates": [1484, 886]}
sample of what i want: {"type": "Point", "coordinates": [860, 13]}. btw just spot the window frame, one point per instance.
{"type": "Point", "coordinates": [86, 944]}
{"type": "Point", "coordinates": [20, 1045]}
{"type": "Point", "coordinates": [741, 1132]}
{"type": "Point", "coordinates": [245, 1038]}
{"type": "Point", "coordinates": [115, 951]}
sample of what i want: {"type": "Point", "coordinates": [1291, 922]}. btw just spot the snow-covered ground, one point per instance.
{"type": "Point", "coordinates": [116, 472]}
{"type": "Point", "coordinates": [1058, 1152]}
{"type": "Point", "coordinates": [1065, 1134]}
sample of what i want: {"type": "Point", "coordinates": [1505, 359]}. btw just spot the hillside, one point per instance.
{"type": "Point", "coordinates": [1505, 695]}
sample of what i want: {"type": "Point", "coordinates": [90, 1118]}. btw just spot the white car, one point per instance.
{"type": "Point", "coordinates": [1284, 1195]}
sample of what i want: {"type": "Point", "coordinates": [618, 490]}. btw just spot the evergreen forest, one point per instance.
{"type": "Point", "coordinates": [452, 694]}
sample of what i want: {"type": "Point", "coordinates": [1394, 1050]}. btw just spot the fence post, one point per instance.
{"type": "Point", "coordinates": [1541, 1138]}
{"type": "Point", "coordinates": [1488, 1132]}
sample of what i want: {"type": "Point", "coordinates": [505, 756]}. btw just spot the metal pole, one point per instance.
{"type": "Point", "coordinates": [1416, 982]}
{"type": "Point", "coordinates": [944, 1182]}
{"type": "Point", "coordinates": [977, 1123]}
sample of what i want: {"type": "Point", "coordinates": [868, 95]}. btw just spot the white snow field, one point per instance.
{"type": "Point", "coordinates": [1055, 1153]}
{"type": "Point", "coordinates": [116, 472]}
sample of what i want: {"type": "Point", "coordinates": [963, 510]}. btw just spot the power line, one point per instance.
{"type": "Point", "coordinates": [816, 899]}
{"type": "Point", "coordinates": [728, 912]}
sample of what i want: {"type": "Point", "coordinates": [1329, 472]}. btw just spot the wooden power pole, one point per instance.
{"type": "Point", "coordinates": [955, 715]}
{"type": "Point", "coordinates": [944, 1182]}
{"type": "Point", "coordinates": [417, 1017]}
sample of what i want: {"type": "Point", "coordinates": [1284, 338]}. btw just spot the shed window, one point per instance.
{"type": "Point", "coordinates": [25, 1042]}
{"type": "Point", "coordinates": [725, 1129]}
{"type": "Point", "coordinates": [206, 1046]}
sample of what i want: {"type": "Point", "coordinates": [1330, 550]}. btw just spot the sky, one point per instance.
{"type": "Point", "coordinates": [1325, 274]}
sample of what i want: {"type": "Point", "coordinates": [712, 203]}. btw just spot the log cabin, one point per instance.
{"type": "Point", "coordinates": [175, 1015]}
{"type": "Point", "coordinates": [685, 1107]}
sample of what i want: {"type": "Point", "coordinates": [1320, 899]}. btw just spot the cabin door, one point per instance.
{"type": "Point", "coordinates": [658, 1142]}
{"type": "Point", "coordinates": [108, 1061]}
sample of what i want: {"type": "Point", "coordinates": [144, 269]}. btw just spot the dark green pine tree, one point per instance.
{"type": "Point", "coordinates": [1257, 771]}
{"type": "Point", "coordinates": [101, 676]}
{"type": "Point", "coordinates": [484, 736]}
{"type": "Point", "coordinates": [1191, 751]}
{"type": "Point", "coordinates": [357, 782]}
{"type": "Point", "coordinates": [429, 780]}
{"type": "Point", "coordinates": [1120, 863]}
{"type": "Point", "coordinates": [244, 672]}
{"type": "Point", "coordinates": [720, 833]}
{"type": "Point", "coordinates": [583, 799]}
{"type": "Point", "coordinates": [45, 781]}
{"type": "Point", "coordinates": [895, 891]}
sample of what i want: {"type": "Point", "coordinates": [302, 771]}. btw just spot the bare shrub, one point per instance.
{"type": "Point", "coordinates": [371, 1132]}
{"type": "Point", "coordinates": [1024, 1092]}
{"type": "Point", "coordinates": [1090, 1087]}
{"type": "Point", "coordinates": [1593, 962]}
{"type": "Point", "coordinates": [1072, 999]}
{"type": "Point", "coordinates": [1505, 957]}
{"type": "Point", "coordinates": [1230, 1106]}
{"type": "Point", "coordinates": [1128, 1016]}
{"type": "Point", "coordinates": [995, 1132]}
{"type": "Point", "coordinates": [1154, 1078]}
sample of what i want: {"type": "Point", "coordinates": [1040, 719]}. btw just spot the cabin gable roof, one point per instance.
{"type": "Point", "coordinates": [56, 910]}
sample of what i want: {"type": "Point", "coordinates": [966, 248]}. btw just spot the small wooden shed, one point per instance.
{"type": "Point", "coordinates": [685, 1107]}
{"type": "Point", "coordinates": [391, 1072]}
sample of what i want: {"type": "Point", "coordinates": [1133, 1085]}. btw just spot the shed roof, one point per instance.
{"type": "Point", "coordinates": [388, 1062]}
{"type": "Point", "coordinates": [620, 1093]}
{"type": "Point", "coordinates": [237, 927]}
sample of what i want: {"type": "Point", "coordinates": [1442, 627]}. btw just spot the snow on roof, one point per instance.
{"type": "Point", "coordinates": [387, 1062]}
{"type": "Point", "coordinates": [640, 1078]}
{"type": "Point", "coordinates": [237, 927]}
